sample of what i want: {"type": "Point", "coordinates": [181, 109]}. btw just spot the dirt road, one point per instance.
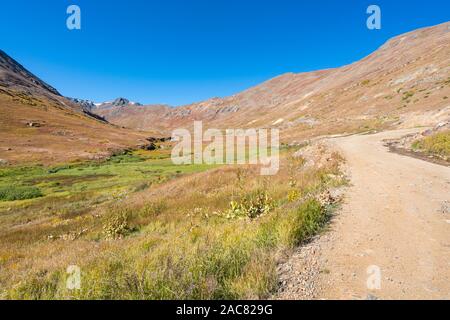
{"type": "Point", "coordinates": [395, 223]}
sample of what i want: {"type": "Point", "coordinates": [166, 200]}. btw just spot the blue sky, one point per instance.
{"type": "Point", "coordinates": [182, 51]}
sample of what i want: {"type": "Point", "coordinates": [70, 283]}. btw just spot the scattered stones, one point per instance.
{"type": "Point", "coordinates": [326, 198]}
{"type": "Point", "coordinates": [71, 236]}
{"type": "Point", "coordinates": [3, 162]}
{"type": "Point", "coordinates": [299, 274]}
{"type": "Point", "coordinates": [316, 155]}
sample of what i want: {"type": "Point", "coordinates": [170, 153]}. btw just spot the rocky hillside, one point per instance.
{"type": "Point", "coordinates": [13, 75]}
{"type": "Point", "coordinates": [404, 83]}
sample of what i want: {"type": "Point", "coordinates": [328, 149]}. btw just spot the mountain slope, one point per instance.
{"type": "Point", "coordinates": [404, 83]}
{"type": "Point", "coordinates": [37, 124]}
{"type": "Point", "coordinates": [131, 115]}
{"type": "Point", "coordinates": [14, 76]}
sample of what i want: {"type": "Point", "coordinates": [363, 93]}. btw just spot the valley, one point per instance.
{"type": "Point", "coordinates": [363, 183]}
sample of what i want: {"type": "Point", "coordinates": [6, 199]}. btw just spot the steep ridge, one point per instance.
{"type": "Point", "coordinates": [405, 82]}
{"type": "Point", "coordinates": [14, 76]}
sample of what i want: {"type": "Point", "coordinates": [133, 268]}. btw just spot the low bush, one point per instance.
{"type": "Point", "coordinates": [437, 144]}
{"type": "Point", "coordinates": [310, 217]}
{"type": "Point", "coordinates": [253, 205]}
{"type": "Point", "coordinates": [13, 193]}
{"type": "Point", "coordinates": [117, 225]}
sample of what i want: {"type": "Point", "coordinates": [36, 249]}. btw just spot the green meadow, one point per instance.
{"type": "Point", "coordinates": [74, 188]}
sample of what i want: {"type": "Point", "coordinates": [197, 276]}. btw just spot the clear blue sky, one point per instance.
{"type": "Point", "coordinates": [181, 51]}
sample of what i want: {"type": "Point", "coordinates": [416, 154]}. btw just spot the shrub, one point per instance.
{"type": "Point", "coordinates": [407, 95]}
{"type": "Point", "coordinates": [253, 205]}
{"type": "Point", "coordinates": [293, 195]}
{"type": "Point", "coordinates": [14, 193]}
{"type": "Point", "coordinates": [152, 209]}
{"type": "Point", "coordinates": [437, 144]}
{"type": "Point", "coordinates": [307, 220]}
{"type": "Point", "coordinates": [125, 157]}
{"type": "Point", "coordinates": [117, 225]}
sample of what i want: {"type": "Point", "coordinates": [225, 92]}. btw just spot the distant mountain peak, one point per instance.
{"type": "Point", "coordinates": [117, 103]}
{"type": "Point", "coordinates": [120, 102]}
{"type": "Point", "coordinates": [87, 105]}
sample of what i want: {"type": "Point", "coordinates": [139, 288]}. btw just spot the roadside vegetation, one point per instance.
{"type": "Point", "coordinates": [437, 144]}
{"type": "Point", "coordinates": [142, 228]}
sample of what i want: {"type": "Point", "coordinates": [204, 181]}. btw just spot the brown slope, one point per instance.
{"type": "Point", "coordinates": [14, 76]}
{"type": "Point", "coordinates": [39, 125]}
{"type": "Point", "coordinates": [405, 82]}
{"type": "Point", "coordinates": [134, 116]}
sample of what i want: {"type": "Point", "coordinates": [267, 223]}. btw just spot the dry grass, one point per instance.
{"type": "Point", "coordinates": [173, 241]}
{"type": "Point", "coordinates": [437, 144]}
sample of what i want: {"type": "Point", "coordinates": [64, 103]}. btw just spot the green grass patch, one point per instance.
{"type": "Point", "coordinates": [73, 190]}
{"type": "Point", "coordinates": [128, 172]}
{"type": "Point", "coordinates": [407, 95]}
{"type": "Point", "coordinates": [13, 193]}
